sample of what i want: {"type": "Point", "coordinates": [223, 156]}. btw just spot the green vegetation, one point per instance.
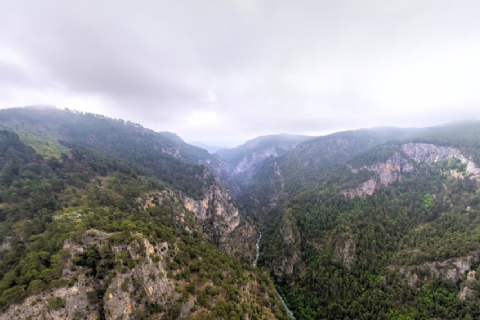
{"type": "Point", "coordinates": [163, 156]}
{"type": "Point", "coordinates": [55, 303]}
{"type": "Point", "coordinates": [452, 164]}
{"type": "Point", "coordinates": [43, 147]}
{"type": "Point", "coordinates": [391, 255]}
{"type": "Point", "coordinates": [355, 258]}
{"type": "Point", "coordinates": [45, 202]}
{"type": "Point", "coordinates": [384, 230]}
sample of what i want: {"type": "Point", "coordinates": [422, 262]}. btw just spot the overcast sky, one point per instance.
{"type": "Point", "coordinates": [224, 71]}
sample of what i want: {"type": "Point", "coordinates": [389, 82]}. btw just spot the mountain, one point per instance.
{"type": "Point", "coordinates": [209, 148]}
{"type": "Point", "coordinates": [307, 166]}
{"type": "Point", "coordinates": [375, 224]}
{"type": "Point", "coordinates": [101, 218]}
{"type": "Point", "coordinates": [244, 161]}
{"type": "Point", "coordinates": [104, 219]}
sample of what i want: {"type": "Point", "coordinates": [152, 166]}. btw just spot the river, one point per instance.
{"type": "Point", "coordinates": [257, 254]}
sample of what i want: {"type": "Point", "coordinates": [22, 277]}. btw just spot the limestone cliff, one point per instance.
{"type": "Point", "coordinates": [221, 221]}
{"type": "Point", "coordinates": [245, 160]}
{"type": "Point", "coordinates": [126, 291]}
{"type": "Point", "coordinates": [344, 252]}
{"type": "Point", "coordinates": [390, 171]}
{"type": "Point", "coordinates": [385, 174]}
{"type": "Point", "coordinates": [289, 260]}
{"type": "Point", "coordinates": [430, 154]}
{"type": "Point", "coordinates": [110, 276]}
{"type": "Point", "coordinates": [454, 270]}
{"type": "Point", "coordinates": [217, 215]}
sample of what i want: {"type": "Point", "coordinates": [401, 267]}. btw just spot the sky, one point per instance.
{"type": "Point", "coordinates": [225, 71]}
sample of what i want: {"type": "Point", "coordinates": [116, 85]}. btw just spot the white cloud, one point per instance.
{"type": "Point", "coordinates": [222, 72]}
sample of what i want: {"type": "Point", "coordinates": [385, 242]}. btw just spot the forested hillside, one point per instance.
{"type": "Point", "coordinates": [87, 235]}
{"type": "Point", "coordinates": [391, 232]}
{"type": "Point", "coordinates": [161, 155]}
{"type": "Point", "coordinates": [308, 166]}
{"type": "Point", "coordinates": [104, 219]}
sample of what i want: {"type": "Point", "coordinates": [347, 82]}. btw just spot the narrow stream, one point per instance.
{"type": "Point", "coordinates": [257, 253]}
{"type": "Point", "coordinates": [290, 313]}
{"type": "Point", "coordinates": [258, 250]}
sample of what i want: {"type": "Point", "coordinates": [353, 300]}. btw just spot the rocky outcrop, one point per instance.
{"type": "Point", "coordinates": [222, 222]}
{"type": "Point", "coordinates": [286, 231]}
{"type": "Point", "coordinates": [5, 245]}
{"type": "Point", "coordinates": [252, 159]}
{"type": "Point", "coordinates": [467, 291]}
{"type": "Point", "coordinates": [72, 303]}
{"type": "Point", "coordinates": [453, 270]}
{"type": "Point", "coordinates": [149, 278]}
{"type": "Point", "coordinates": [344, 252]}
{"type": "Point", "coordinates": [216, 207]}
{"type": "Point", "coordinates": [125, 294]}
{"type": "Point", "coordinates": [245, 160]}
{"type": "Point", "coordinates": [388, 172]}
{"type": "Point", "coordinates": [430, 154]}
{"type": "Point", "coordinates": [385, 174]}
{"type": "Point", "coordinates": [217, 215]}
{"type": "Point", "coordinates": [285, 263]}
{"type": "Point", "coordinates": [134, 278]}
{"type": "Point", "coordinates": [366, 188]}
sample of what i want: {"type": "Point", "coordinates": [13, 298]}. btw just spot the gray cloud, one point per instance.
{"type": "Point", "coordinates": [225, 71]}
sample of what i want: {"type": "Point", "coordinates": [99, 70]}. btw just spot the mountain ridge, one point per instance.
{"type": "Point", "coordinates": [380, 223]}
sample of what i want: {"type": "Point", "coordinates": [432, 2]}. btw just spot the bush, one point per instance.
{"type": "Point", "coordinates": [55, 303]}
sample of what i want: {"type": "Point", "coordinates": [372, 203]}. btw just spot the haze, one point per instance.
{"type": "Point", "coordinates": [222, 72]}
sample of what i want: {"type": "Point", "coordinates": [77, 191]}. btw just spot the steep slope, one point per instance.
{"type": "Point", "coordinates": [162, 155]}
{"type": "Point", "coordinates": [390, 233]}
{"type": "Point", "coordinates": [307, 166]}
{"type": "Point", "coordinates": [245, 160]}
{"type": "Point", "coordinates": [89, 236]}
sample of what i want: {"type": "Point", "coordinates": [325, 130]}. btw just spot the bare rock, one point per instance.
{"type": "Point", "coordinates": [345, 252]}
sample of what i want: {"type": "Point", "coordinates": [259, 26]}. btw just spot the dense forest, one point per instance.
{"type": "Point", "coordinates": [367, 224]}
{"type": "Point", "coordinates": [408, 251]}
{"type": "Point", "coordinates": [97, 200]}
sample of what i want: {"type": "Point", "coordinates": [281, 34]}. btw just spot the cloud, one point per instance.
{"type": "Point", "coordinates": [225, 71]}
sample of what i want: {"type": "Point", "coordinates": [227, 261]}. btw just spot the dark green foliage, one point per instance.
{"type": "Point", "coordinates": [126, 141]}
{"type": "Point", "coordinates": [310, 165]}
{"type": "Point", "coordinates": [55, 303]}
{"type": "Point", "coordinates": [45, 202]}
{"type": "Point", "coordinates": [425, 217]}
{"type": "Point", "coordinates": [385, 230]}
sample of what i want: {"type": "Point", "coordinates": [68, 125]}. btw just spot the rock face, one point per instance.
{"type": "Point", "coordinates": [363, 190]}
{"type": "Point", "coordinates": [291, 256]}
{"type": "Point", "coordinates": [385, 174]}
{"type": "Point", "coordinates": [221, 221]}
{"type": "Point", "coordinates": [149, 277]}
{"type": "Point", "coordinates": [345, 252]}
{"type": "Point", "coordinates": [429, 153]}
{"type": "Point", "coordinates": [245, 160]}
{"type": "Point", "coordinates": [453, 270]}
{"type": "Point", "coordinates": [467, 291]}
{"type": "Point", "coordinates": [74, 300]}
{"type": "Point", "coordinates": [390, 171]}
{"type": "Point", "coordinates": [125, 293]}
{"type": "Point", "coordinates": [218, 216]}
{"type": "Point", "coordinates": [216, 207]}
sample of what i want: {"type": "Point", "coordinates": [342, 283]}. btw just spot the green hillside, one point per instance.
{"type": "Point", "coordinates": [95, 202]}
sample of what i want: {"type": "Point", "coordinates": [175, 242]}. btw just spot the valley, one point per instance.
{"type": "Point", "coordinates": [102, 218]}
